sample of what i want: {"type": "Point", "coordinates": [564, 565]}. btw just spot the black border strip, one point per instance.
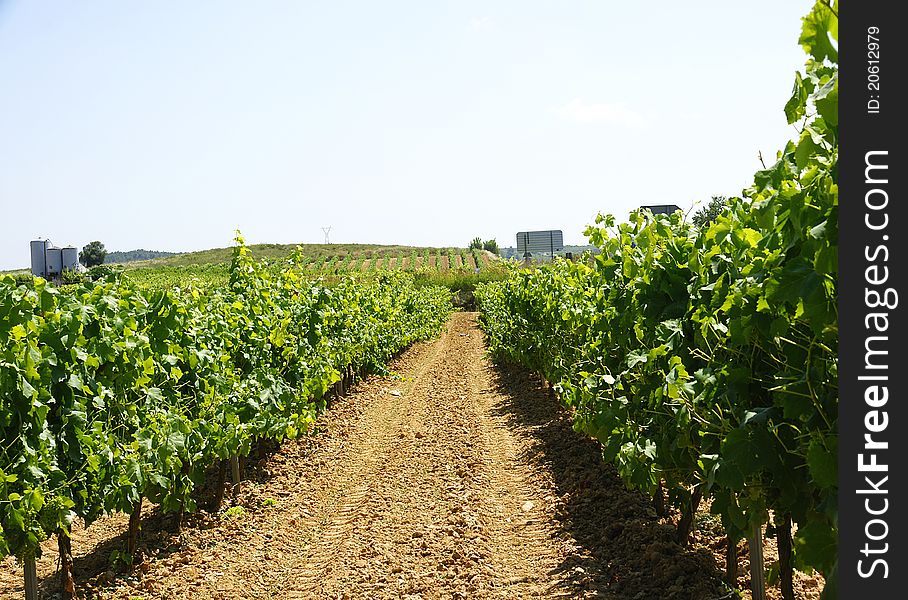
{"type": "Point", "coordinates": [868, 118]}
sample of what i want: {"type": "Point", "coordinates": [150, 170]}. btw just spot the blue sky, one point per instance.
{"type": "Point", "coordinates": [167, 125]}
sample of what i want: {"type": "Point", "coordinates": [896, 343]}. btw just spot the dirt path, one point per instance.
{"type": "Point", "coordinates": [449, 478]}
{"type": "Point", "coordinates": [431, 500]}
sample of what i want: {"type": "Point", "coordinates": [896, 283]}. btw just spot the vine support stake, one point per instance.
{"type": "Point", "coordinates": [31, 578]}
{"type": "Point", "coordinates": [219, 487]}
{"type": "Point", "coordinates": [783, 538]}
{"type": "Point", "coordinates": [235, 473]}
{"type": "Point", "coordinates": [659, 500]}
{"type": "Point", "coordinates": [755, 548]}
{"type": "Point", "coordinates": [731, 562]}
{"type": "Point", "coordinates": [181, 515]}
{"type": "Point", "coordinates": [64, 545]}
{"type": "Point", "coordinates": [132, 536]}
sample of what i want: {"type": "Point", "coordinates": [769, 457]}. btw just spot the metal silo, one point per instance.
{"type": "Point", "coordinates": [70, 258]}
{"type": "Point", "coordinates": [39, 261]}
{"type": "Point", "coordinates": [54, 261]}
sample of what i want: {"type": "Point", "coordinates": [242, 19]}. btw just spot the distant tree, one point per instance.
{"type": "Point", "coordinates": [131, 255]}
{"type": "Point", "coordinates": [491, 246]}
{"type": "Point", "coordinates": [476, 243]}
{"type": "Point", "coordinates": [92, 254]}
{"type": "Point", "coordinates": [710, 212]}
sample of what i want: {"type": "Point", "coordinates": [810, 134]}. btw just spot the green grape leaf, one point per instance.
{"type": "Point", "coordinates": [820, 27]}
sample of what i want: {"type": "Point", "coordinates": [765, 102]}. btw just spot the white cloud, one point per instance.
{"type": "Point", "coordinates": [480, 24]}
{"type": "Point", "coordinates": [615, 113]}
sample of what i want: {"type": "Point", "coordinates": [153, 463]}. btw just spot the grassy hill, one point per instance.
{"type": "Point", "coordinates": [270, 252]}
{"type": "Point", "coordinates": [459, 269]}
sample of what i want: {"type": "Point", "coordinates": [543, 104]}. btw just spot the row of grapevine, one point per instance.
{"type": "Point", "coordinates": [442, 259]}
{"type": "Point", "coordinates": [110, 394]}
{"type": "Point", "coordinates": [704, 358]}
{"type": "Point", "coordinates": [207, 276]}
{"type": "Point", "coordinates": [201, 277]}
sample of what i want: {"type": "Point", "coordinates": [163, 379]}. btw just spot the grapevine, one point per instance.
{"type": "Point", "coordinates": [704, 358]}
{"type": "Point", "coordinates": [112, 393]}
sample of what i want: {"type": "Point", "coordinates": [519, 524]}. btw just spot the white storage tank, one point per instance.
{"type": "Point", "coordinates": [39, 260]}
{"type": "Point", "coordinates": [70, 258]}
{"type": "Point", "coordinates": [54, 261]}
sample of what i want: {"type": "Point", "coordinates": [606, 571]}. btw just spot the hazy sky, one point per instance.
{"type": "Point", "coordinates": [166, 125]}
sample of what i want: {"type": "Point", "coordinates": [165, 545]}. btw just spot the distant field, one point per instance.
{"type": "Point", "coordinates": [457, 268]}
{"type": "Point", "coordinates": [313, 253]}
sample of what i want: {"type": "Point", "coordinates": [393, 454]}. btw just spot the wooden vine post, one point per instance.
{"type": "Point", "coordinates": [219, 487]}
{"type": "Point", "coordinates": [755, 549]}
{"type": "Point", "coordinates": [182, 513]}
{"type": "Point", "coordinates": [64, 545]}
{"type": "Point", "coordinates": [731, 562]}
{"type": "Point", "coordinates": [659, 500]}
{"type": "Point", "coordinates": [235, 473]}
{"type": "Point", "coordinates": [31, 577]}
{"type": "Point", "coordinates": [132, 535]}
{"type": "Point", "coordinates": [783, 537]}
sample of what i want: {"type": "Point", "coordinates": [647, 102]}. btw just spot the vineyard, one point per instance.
{"type": "Point", "coordinates": [657, 420]}
{"type": "Point", "coordinates": [703, 359]}
{"type": "Point", "coordinates": [453, 267]}
{"type": "Point", "coordinates": [111, 395]}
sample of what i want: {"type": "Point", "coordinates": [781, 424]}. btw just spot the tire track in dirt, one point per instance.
{"type": "Point", "coordinates": [444, 515]}
{"type": "Point", "coordinates": [356, 476]}
{"type": "Point", "coordinates": [514, 485]}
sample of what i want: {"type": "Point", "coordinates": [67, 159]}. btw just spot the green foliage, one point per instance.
{"type": "Point", "coordinates": [480, 260]}
{"type": "Point", "coordinates": [118, 559]}
{"type": "Point", "coordinates": [24, 279]}
{"type": "Point", "coordinates": [331, 268]}
{"type": "Point", "coordinates": [478, 244]}
{"type": "Point", "coordinates": [111, 392]}
{"type": "Point", "coordinates": [706, 357]}
{"type": "Point", "coordinates": [134, 255]}
{"type": "Point", "coordinates": [819, 31]}
{"type": "Point", "coordinates": [92, 254]}
{"type": "Point", "coordinates": [709, 213]}
{"type": "Point", "coordinates": [276, 253]}
{"type": "Point", "coordinates": [103, 271]}
{"type": "Point", "coordinates": [72, 276]}
{"type": "Point", "coordinates": [201, 277]}
{"type": "Point", "coordinates": [234, 512]}
{"type": "Point", "coordinates": [452, 259]}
